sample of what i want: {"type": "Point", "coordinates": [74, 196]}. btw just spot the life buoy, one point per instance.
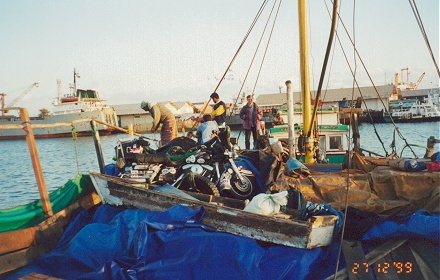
{"type": "Point", "coordinates": [429, 115]}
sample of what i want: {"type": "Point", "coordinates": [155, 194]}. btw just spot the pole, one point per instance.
{"type": "Point", "coordinates": [125, 130]}
{"type": "Point", "coordinates": [305, 80]}
{"type": "Point", "coordinates": [98, 148]}
{"type": "Point", "coordinates": [291, 125]}
{"type": "Point", "coordinates": [30, 139]}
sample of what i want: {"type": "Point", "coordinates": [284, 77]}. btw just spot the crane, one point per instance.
{"type": "Point", "coordinates": [418, 82]}
{"type": "Point", "coordinates": [26, 91]}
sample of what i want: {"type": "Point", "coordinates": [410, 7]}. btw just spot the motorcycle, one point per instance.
{"type": "Point", "coordinates": [242, 178]}
{"type": "Point", "coordinates": [173, 164]}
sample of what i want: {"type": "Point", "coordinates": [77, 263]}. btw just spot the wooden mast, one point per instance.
{"type": "Point", "coordinates": [305, 79]}
{"type": "Point", "coordinates": [30, 139]}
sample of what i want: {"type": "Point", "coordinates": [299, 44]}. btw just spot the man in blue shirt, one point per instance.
{"type": "Point", "coordinates": [206, 130]}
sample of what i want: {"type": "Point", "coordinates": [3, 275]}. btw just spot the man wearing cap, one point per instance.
{"type": "Point", "coordinates": [218, 113]}
{"type": "Point", "coordinates": [161, 115]}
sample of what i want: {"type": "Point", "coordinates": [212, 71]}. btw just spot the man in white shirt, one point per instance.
{"type": "Point", "coordinates": [206, 130]}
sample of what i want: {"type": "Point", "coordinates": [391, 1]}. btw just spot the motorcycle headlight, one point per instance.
{"type": "Point", "coordinates": [197, 169]}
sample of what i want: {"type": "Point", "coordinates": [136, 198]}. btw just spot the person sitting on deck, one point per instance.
{"type": "Point", "coordinates": [206, 130]}
{"type": "Point", "coordinates": [278, 119]}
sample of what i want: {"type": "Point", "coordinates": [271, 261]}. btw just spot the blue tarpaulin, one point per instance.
{"type": "Point", "coordinates": [119, 243]}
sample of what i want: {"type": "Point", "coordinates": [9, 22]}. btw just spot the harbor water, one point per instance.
{"type": "Point", "coordinates": [62, 159]}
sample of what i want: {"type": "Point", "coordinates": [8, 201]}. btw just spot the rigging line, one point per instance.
{"type": "Point", "coordinates": [331, 60]}
{"type": "Point", "coordinates": [242, 43]}
{"type": "Point", "coordinates": [357, 85]}
{"type": "Point", "coordinates": [422, 29]}
{"type": "Point", "coordinates": [267, 45]}
{"type": "Point", "coordinates": [311, 47]}
{"type": "Point", "coordinates": [324, 66]}
{"type": "Point", "coordinates": [236, 53]}
{"type": "Point", "coordinates": [374, 86]}
{"type": "Point", "coordinates": [349, 160]}
{"type": "Point", "coordinates": [252, 61]}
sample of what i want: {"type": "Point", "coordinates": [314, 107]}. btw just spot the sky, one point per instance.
{"type": "Point", "coordinates": [164, 50]}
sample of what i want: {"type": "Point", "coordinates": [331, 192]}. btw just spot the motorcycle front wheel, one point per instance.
{"type": "Point", "coordinates": [245, 190]}
{"type": "Point", "coordinates": [201, 185]}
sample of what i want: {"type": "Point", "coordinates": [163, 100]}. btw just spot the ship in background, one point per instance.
{"type": "Point", "coordinates": [71, 114]}
{"type": "Point", "coordinates": [405, 94]}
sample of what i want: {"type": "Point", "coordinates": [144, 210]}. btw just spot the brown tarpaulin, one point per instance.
{"type": "Point", "coordinates": [382, 190]}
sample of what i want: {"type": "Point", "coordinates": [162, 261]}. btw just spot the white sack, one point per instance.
{"type": "Point", "coordinates": [267, 204]}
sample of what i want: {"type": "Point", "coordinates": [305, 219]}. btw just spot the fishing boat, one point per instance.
{"type": "Point", "coordinates": [31, 230]}
{"type": "Point", "coordinates": [71, 114]}
{"type": "Point", "coordinates": [333, 137]}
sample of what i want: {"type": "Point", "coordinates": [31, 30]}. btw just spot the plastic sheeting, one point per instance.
{"type": "Point", "coordinates": [32, 214]}
{"type": "Point", "coordinates": [117, 243]}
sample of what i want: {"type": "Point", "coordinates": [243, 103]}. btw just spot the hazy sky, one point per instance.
{"type": "Point", "coordinates": [177, 50]}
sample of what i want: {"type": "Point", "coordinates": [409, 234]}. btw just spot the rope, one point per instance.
{"type": "Point", "coordinates": [242, 43]}
{"type": "Point", "coordinates": [235, 55]}
{"type": "Point", "coordinates": [74, 138]}
{"type": "Point", "coordinates": [250, 65]}
{"type": "Point", "coordinates": [268, 42]}
{"type": "Point", "coordinates": [422, 28]}
{"type": "Point", "coordinates": [335, 12]}
{"type": "Point", "coordinates": [324, 66]}
{"type": "Point", "coordinates": [377, 92]}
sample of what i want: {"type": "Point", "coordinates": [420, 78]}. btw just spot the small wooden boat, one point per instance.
{"type": "Point", "coordinates": [31, 230]}
{"type": "Point", "coordinates": [19, 247]}
{"type": "Point", "coordinates": [222, 214]}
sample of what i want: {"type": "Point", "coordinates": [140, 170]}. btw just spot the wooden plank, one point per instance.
{"type": "Point", "coordinates": [20, 258]}
{"type": "Point", "coordinates": [427, 256]}
{"type": "Point", "coordinates": [384, 269]}
{"type": "Point", "coordinates": [373, 256]}
{"type": "Point", "coordinates": [46, 230]}
{"type": "Point", "coordinates": [36, 164]}
{"type": "Point", "coordinates": [18, 248]}
{"type": "Point", "coordinates": [38, 276]}
{"type": "Point", "coordinates": [354, 255]}
{"type": "Point", "coordinates": [405, 263]}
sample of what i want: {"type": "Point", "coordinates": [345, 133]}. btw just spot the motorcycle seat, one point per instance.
{"type": "Point", "coordinates": [152, 158]}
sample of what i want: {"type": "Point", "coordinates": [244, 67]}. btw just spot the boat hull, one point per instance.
{"type": "Point", "coordinates": [19, 247]}
{"type": "Point", "coordinates": [413, 119]}
{"type": "Point", "coordinates": [282, 230]}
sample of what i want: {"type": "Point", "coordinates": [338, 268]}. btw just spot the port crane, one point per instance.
{"type": "Point", "coordinates": [26, 91]}
{"type": "Point", "coordinates": [418, 82]}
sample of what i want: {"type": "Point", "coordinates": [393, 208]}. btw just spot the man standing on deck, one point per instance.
{"type": "Point", "coordinates": [161, 115]}
{"type": "Point", "coordinates": [218, 113]}
{"type": "Point", "coordinates": [251, 115]}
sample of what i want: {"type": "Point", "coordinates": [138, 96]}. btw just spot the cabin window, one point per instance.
{"type": "Point", "coordinates": [335, 142]}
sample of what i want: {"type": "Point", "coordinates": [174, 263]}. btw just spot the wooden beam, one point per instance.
{"type": "Point", "coordinates": [30, 139]}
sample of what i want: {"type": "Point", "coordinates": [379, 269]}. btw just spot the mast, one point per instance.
{"type": "Point", "coordinates": [305, 79]}
{"type": "Point", "coordinates": [74, 81]}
